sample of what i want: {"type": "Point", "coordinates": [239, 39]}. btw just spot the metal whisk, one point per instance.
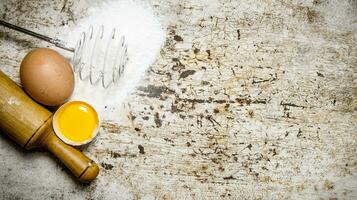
{"type": "Point", "coordinates": [96, 57]}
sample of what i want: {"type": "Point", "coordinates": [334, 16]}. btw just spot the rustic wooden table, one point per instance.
{"type": "Point", "coordinates": [248, 100]}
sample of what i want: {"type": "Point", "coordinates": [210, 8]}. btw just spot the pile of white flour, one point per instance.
{"type": "Point", "coordinates": [144, 36]}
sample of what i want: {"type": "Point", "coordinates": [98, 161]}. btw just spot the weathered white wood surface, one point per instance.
{"type": "Point", "coordinates": [248, 100]}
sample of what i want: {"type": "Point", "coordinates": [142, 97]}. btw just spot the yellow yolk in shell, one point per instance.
{"type": "Point", "coordinates": [76, 122]}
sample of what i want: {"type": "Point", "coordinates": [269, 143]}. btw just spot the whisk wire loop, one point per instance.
{"type": "Point", "coordinates": [99, 58]}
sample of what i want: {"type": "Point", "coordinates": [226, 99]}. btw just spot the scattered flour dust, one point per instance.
{"type": "Point", "coordinates": [144, 36]}
{"type": "Point", "coordinates": [13, 101]}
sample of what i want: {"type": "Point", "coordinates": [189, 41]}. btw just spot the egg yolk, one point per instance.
{"type": "Point", "coordinates": [76, 121]}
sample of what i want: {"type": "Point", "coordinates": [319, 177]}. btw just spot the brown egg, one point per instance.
{"type": "Point", "coordinates": [47, 76]}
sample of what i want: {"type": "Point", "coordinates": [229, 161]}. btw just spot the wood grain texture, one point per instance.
{"type": "Point", "coordinates": [20, 116]}
{"type": "Point", "coordinates": [248, 100]}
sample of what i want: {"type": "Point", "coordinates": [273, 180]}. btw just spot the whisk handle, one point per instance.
{"type": "Point", "coordinates": [56, 42]}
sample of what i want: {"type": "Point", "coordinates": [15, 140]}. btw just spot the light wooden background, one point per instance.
{"type": "Point", "coordinates": [248, 100]}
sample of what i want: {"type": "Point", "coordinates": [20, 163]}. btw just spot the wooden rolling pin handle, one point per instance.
{"type": "Point", "coordinates": [81, 166]}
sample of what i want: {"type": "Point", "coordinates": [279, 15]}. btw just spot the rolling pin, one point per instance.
{"type": "Point", "coordinates": [30, 125]}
